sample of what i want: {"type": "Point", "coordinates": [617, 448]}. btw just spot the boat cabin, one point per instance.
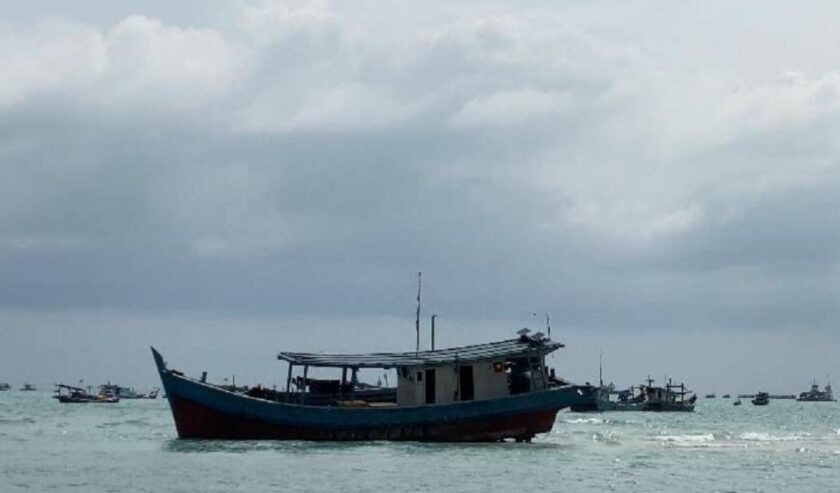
{"type": "Point", "coordinates": [446, 376]}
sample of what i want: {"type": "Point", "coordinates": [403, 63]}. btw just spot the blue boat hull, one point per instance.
{"type": "Point", "coordinates": [204, 411]}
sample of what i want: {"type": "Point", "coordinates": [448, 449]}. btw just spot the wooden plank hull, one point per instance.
{"type": "Point", "coordinates": [203, 411]}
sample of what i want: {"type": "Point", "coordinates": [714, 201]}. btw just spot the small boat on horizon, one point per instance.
{"type": "Point", "coordinates": [817, 395]}
{"type": "Point", "coordinates": [68, 394]}
{"type": "Point", "coordinates": [126, 392]}
{"type": "Point", "coordinates": [737, 402]}
{"type": "Point", "coordinates": [761, 399]}
{"type": "Point", "coordinates": [4, 386]}
{"type": "Point", "coordinates": [710, 396]}
{"type": "Point", "coordinates": [28, 387]}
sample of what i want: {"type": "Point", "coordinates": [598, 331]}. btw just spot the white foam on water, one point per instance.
{"type": "Point", "coordinates": [768, 437]}
{"type": "Point", "coordinates": [690, 439]}
{"type": "Point", "coordinates": [592, 421]}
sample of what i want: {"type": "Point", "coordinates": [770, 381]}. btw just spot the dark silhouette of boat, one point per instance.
{"type": "Point", "coordinates": [479, 393]}
{"type": "Point", "coordinates": [68, 394]}
{"type": "Point", "coordinates": [646, 397]}
{"type": "Point", "coordinates": [817, 395]}
{"type": "Point", "coordinates": [737, 402]}
{"type": "Point", "coordinates": [4, 386]}
{"type": "Point", "coordinates": [761, 399]}
{"type": "Point", "coordinates": [126, 392]}
{"type": "Point", "coordinates": [28, 387]}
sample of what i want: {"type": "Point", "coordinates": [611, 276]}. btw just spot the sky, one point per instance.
{"type": "Point", "coordinates": [225, 180]}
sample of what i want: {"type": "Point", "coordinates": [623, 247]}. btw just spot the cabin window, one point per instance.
{"type": "Point", "coordinates": [430, 386]}
{"type": "Point", "coordinates": [466, 382]}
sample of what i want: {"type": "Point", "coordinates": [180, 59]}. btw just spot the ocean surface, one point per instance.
{"type": "Point", "coordinates": [131, 447]}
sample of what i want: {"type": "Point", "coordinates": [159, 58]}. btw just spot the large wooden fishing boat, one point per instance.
{"type": "Point", "coordinates": [485, 392]}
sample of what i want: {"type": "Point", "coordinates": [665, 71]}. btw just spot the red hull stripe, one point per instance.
{"type": "Point", "coordinates": [194, 420]}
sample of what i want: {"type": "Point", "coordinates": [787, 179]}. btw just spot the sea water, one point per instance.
{"type": "Point", "coordinates": [132, 447]}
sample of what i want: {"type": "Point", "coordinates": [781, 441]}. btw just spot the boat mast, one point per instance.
{"type": "Point", "coordinates": [434, 316]}
{"type": "Point", "coordinates": [548, 325]}
{"type": "Point", "coordinates": [600, 368]}
{"type": "Point", "coordinates": [417, 320]}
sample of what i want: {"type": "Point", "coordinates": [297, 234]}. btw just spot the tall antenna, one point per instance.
{"type": "Point", "coordinates": [601, 368]}
{"type": "Point", "coordinates": [548, 325]}
{"type": "Point", "coordinates": [417, 320]}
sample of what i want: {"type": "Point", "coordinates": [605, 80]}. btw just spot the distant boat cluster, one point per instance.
{"type": "Point", "coordinates": [106, 393]}
{"type": "Point", "coordinates": [764, 398]}
{"type": "Point", "coordinates": [27, 387]}
{"type": "Point", "coordinates": [646, 397]}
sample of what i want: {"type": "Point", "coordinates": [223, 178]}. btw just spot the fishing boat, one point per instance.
{"type": "Point", "coordinates": [4, 386]}
{"type": "Point", "coordinates": [646, 397]}
{"type": "Point", "coordinates": [710, 396]}
{"type": "Point", "coordinates": [737, 402]}
{"type": "Point", "coordinates": [727, 396]}
{"type": "Point", "coordinates": [68, 394]}
{"type": "Point", "coordinates": [817, 395]}
{"type": "Point", "coordinates": [479, 393]}
{"type": "Point", "coordinates": [761, 399]}
{"type": "Point", "coordinates": [126, 392]}
{"type": "Point", "coordinates": [28, 387]}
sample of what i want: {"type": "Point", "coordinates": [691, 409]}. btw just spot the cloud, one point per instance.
{"type": "Point", "coordinates": [53, 56]}
{"type": "Point", "coordinates": [308, 156]}
{"type": "Point", "coordinates": [510, 108]}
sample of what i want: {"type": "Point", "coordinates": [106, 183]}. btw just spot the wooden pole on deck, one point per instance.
{"type": "Point", "coordinates": [289, 384]}
{"type": "Point", "coordinates": [305, 384]}
{"type": "Point", "coordinates": [417, 320]}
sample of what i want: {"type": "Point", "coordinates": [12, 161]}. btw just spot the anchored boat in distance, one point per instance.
{"type": "Point", "coordinates": [4, 386]}
{"type": "Point", "coordinates": [646, 397]}
{"type": "Point", "coordinates": [480, 393]}
{"type": "Point", "coordinates": [817, 395]}
{"type": "Point", "coordinates": [126, 392]}
{"type": "Point", "coordinates": [28, 387]}
{"type": "Point", "coordinates": [68, 394]}
{"type": "Point", "coordinates": [761, 399]}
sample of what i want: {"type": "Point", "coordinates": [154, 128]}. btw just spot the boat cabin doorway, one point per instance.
{"type": "Point", "coordinates": [430, 386]}
{"type": "Point", "coordinates": [466, 383]}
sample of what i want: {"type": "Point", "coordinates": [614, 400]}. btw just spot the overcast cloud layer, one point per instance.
{"type": "Point", "coordinates": [641, 171]}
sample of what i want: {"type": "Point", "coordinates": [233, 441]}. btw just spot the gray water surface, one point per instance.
{"type": "Point", "coordinates": [132, 447]}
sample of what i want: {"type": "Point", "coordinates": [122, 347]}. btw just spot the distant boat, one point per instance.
{"type": "Point", "coordinates": [737, 402]}
{"type": "Point", "coordinates": [710, 396]}
{"type": "Point", "coordinates": [28, 387]}
{"type": "Point", "coordinates": [726, 396]}
{"type": "Point", "coordinates": [761, 399]}
{"type": "Point", "coordinates": [672, 397]}
{"type": "Point", "coordinates": [126, 392]}
{"type": "Point", "coordinates": [817, 395]}
{"type": "Point", "coordinates": [68, 394]}
{"type": "Point", "coordinates": [480, 393]}
{"type": "Point", "coordinates": [4, 386]}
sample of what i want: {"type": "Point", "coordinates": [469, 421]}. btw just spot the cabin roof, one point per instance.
{"type": "Point", "coordinates": [519, 347]}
